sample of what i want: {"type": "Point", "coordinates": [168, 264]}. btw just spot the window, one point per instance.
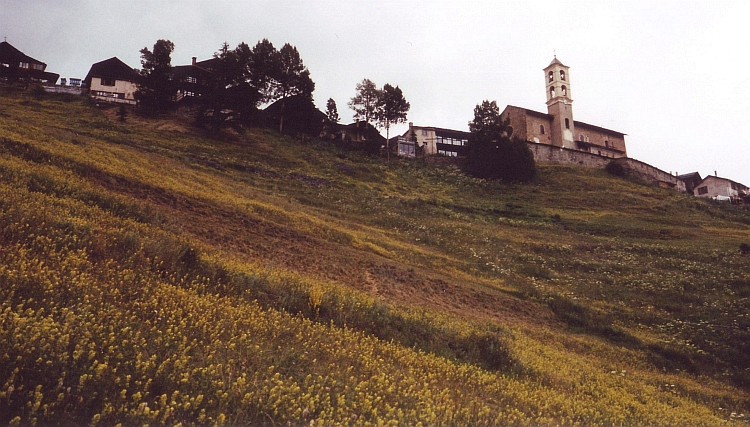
{"type": "Point", "coordinates": [541, 129]}
{"type": "Point", "coordinates": [702, 190]}
{"type": "Point", "coordinates": [551, 76]}
{"type": "Point", "coordinates": [23, 65]}
{"type": "Point", "coordinates": [562, 75]}
{"type": "Point", "coordinates": [424, 132]}
{"type": "Point", "coordinates": [581, 137]}
{"type": "Point", "coordinates": [107, 81]}
{"type": "Point", "coordinates": [191, 79]}
{"type": "Point", "coordinates": [552, 91]}
{"type": "Point", "coordinates": [567, 124]}
{"type": "Point", "coordinates": [606, 143]}
{"type": "Point", "coordinates": [564, 91]}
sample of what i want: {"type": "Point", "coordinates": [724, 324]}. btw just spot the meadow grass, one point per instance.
{"type": "Point", "coordinates": [163, 277]}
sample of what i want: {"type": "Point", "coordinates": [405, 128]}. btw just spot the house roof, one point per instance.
{"type": "Point", "coordinates": [11, 55]}
{"type": "Point", "coordinates": [695, 176]}
{"type": "Point", "coordinates": [718, 178]}
{"type": "Point", "coordinates": [112, 68]}
{"type": "Point", "coordinates": [442, 131]}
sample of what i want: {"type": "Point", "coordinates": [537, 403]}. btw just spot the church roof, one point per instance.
{"type": "Point", "coordinates": [556, 62]}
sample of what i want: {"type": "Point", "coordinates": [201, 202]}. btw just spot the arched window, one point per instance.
{"type": "Point", "coordinates": [580, 137]}
{"type": "Point", "coordinates": [541, 129]}
{"type": "Point", "coordinates": [552, 91]}
{"type": "Point", "coordinates": [564, 91]}
{"type": "Point", "coordinates": [562, 75]}
{"type": "Point", "coordinates": [606, 143]}
{"type": "Point", "coordinates": [551, 76]}
{"type": "Point", "coordinates": [567, 124]}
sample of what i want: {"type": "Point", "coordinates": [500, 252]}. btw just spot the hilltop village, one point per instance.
{"type": "Point", "coordinates": [553, 137]}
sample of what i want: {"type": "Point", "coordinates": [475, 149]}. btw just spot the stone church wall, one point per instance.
{"type": "Point", "coordinates": [548, 154]}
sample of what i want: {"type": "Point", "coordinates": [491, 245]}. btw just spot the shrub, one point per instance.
{"type": "Point", "coordinates": [615, 168]}
{"type": "Point", "coordinates": [510, 161]}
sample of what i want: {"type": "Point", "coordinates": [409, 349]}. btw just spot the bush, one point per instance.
{"type": "Point", "coordinates": [615, 168]}
{"type": "Point", "coordinates": [510, 161]}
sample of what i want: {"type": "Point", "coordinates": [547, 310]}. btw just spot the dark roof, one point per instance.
{"type": "Point", "coordinates": [111, 68]}
{"type": "Point", "coordinates": [11, 55]}
{"type": "Point", "coordinates": [556, 62]}
{"type": "Point", "coordinates": [444, 131]}
{"type": "Point", "coordinates": [182, 71]}
{"type": "Point", "coordinates": [601, 129]}
{"type": "Point", "coordinates": [691, 176]}
{"type": "Point", "coordinates": [208, 64]}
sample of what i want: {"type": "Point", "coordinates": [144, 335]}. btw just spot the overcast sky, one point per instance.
{"type": "Point", "coordinates": [669, 74]}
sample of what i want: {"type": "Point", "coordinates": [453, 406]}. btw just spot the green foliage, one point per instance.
{"type": "Point", "coordinates": [615, 168]}
{"type": "Point", "coordinates": [332, 113]}
{"type": "Point", "coordinates": [155, 87]}
{"type": "Point", "coordinates": [365, 102]}
{"type": "Point", "coordinates": [491, 153]}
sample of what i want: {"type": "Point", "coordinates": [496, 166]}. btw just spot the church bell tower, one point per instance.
{"type": "Point", "coordinates": [560, 104]}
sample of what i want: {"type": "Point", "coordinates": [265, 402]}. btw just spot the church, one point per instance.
{"type": "Point", "coordinates": [545, 132]}
{"type": "Point", "coordinates": [556, 127]}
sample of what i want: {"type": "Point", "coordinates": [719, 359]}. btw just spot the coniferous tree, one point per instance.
{"type": "Point", "coordinates": [332, 113]}
{"type": "Point", "coordinates": [155, 85]}
{"type": "Point", "coordinates": [291, 78]}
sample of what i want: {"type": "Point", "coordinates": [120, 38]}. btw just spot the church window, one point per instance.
{"type": "Point", "coordinates": [551, 76]}
{"type": "Point", "coordinates": [606, 143]}
{"type": "Point", "coordinates": [562, 75]}
{"type": "Point", "coordinates": [552, 91]}
{"type": "Point", "coordinates": [541, 129]}
{"type": "Point", "coordinates": [580, 137]}
{"type": "Point", "coordinates": [564, 91]}
{"type": "Point", "coordinates": [567, 124]}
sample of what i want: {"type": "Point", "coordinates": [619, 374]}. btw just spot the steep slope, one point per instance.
{"type": "Point", "coordinates": [161, 276]}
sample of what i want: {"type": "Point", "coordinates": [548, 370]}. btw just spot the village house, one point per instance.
{"type": "Point", "coordinates": [192, 80]}
{"type": "Point", "coordinates": [16, 66]}
{"type": "Point", "coordinates": [719, 188]}
{"type": "Point", "coordinates": [112, 80]}
{"type": "Point", "coordinates": [432, 140]}
{"type": "Point", "coordinates": [691, 180]}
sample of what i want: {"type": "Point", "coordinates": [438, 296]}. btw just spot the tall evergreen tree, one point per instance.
{"type": "Point", "coordinates": [332, 113]}
{"type": "Point", "coordinates": [264, 68]}
{"type": "Point", "coordinates": [391, 109]}
{"type": "Point", "coordinates": [155, 85]}
{"type": "Point", "coordinates": [291, 78]}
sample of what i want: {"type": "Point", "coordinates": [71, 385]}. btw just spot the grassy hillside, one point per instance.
{"type": "Point", "coordinates": [153, 274]}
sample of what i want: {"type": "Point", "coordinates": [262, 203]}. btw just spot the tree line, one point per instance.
{"type": "Point", "coordinates": [241, 79]}
{"type": "Point", "coordinates": [237, 82]}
